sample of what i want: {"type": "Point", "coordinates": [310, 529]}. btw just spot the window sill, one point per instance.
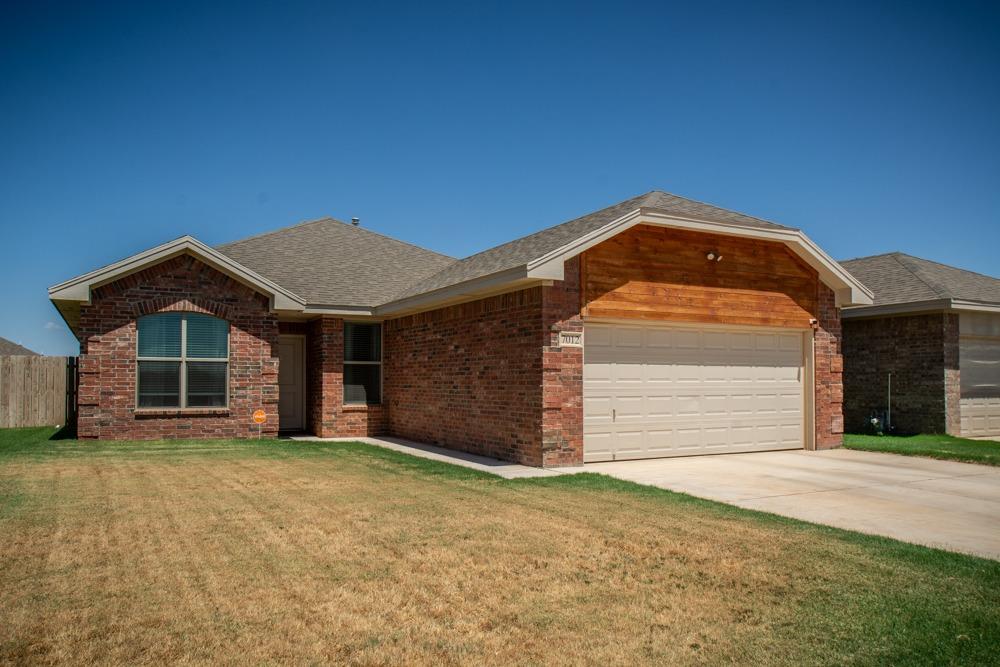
{"type": "Point", "coordinates": [359, 407]}
{"type": "Point", "coordinates": [181, 412]}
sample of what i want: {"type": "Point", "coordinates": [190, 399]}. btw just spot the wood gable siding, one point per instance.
{"type": "Point", "coordinates": [657, 273]}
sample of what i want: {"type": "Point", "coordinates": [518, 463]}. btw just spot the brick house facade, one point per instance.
{"type": "Point", "coordinates": [485, 370]}
{"type": "Point", "coordinates": [107, 330]}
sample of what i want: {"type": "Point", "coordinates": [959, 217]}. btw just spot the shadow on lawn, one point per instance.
{"type": "Point", "coordinates": [67, 432]}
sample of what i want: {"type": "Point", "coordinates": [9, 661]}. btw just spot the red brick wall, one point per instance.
{"type": "Point", "coordinates": [828, 371]}
{"type": "Point", "coordinates": [107, 404]}
{"type": "Point", "coordinates": [562, 372]}
{"type": "Point", "coordinates": [921, 352]}
{"type": "Point", "coordinates": [469, 376]}
{"type": "Point", "coordinates": [326, 414]}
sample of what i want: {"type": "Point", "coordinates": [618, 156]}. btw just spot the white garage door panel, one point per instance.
{"type": "Point", "coordinates": [654, 391]}
{"type": "Point", "coordinates": [979, 366]}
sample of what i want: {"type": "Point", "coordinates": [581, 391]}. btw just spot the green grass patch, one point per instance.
{"type": "Point", "coordinates": [945, 447]}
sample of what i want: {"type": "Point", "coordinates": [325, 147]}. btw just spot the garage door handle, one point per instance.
{"type": "Point", "coordinates": [613, 415]}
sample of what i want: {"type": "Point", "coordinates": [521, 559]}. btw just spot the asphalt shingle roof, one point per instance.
{"type": "Point", "coordinates": [897, 278]}
{"type": "Point", "coordinates": [10, 348]}
{"type": "Point", "coordinates": [523, 250]}
{"type": "Point", "coordinates": [331, 263]}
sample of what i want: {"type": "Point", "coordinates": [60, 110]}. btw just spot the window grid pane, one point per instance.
{"type": "Point", "coordinates": [159, 384]}
{"type": "Point", "coordinates": [206, 384]}
{"type": "Point", "coordinates": [207, 337]}
{"type": "Point", "coordinates": [362, 342]}
{"type": "Point", "coordinates": [160, 335]}
{"type": "Point", "coordinates": [362, 383]}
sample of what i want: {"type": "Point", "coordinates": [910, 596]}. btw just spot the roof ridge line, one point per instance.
{"type": "Point", "coordinates": [721, 208]}
{"type": "Point", "coordinates": [341, 222]}
{"type": "Point", "coordinates": [949, 266]}
{"type": "Point", "coordinates": [279, 229]}
{"type": "Point", "coordinates": [881, 254]}
{"type": "Point", "coordinates": [393, 238]}
{"type": "Point", "coordinates": [933, 287]}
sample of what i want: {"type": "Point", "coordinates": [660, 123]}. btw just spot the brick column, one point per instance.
{"type": "Point", "coordinates": [952, 377]}
{"type": "Point", "coordinates": [562, 372]}
{"type": "Point", "coordinates": [324, 374]}
{"type": "Point", "coordinates": [328, 416]}
{"type": "Point", "coordinates": [828, 371]}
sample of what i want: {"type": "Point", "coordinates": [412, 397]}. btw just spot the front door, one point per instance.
{"type": "Point", "coordinates": [291, 383]}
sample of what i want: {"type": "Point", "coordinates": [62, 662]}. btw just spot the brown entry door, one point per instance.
{"type": "Point", "coordinates": [291, 383]}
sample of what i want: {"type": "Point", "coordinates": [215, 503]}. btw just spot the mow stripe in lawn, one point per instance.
{"type": "Point", "coordinates": [277, 551]}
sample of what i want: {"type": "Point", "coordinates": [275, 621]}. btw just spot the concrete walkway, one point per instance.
{"type": "Point", "coordinates": [482, 463]}
{"type": "Point", "coordinates": [944, 504]}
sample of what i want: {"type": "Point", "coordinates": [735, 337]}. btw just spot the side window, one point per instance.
{"type": "Point", "coordinates": [362, 363]}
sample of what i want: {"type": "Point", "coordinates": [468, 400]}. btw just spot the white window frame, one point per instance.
{"type": "Point", "coordinates": [381, 357]}
{"type": "Point", "coordinates": [183, 359]}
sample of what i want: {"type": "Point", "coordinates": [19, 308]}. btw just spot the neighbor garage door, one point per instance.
{"type": "Point", "coordinates": [651, 390]}
{"type": "Point", "coordinates": [979, 366]}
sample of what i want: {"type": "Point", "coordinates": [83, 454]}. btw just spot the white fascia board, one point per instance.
{"type": "Point", "coordinates": [79, 288]}
{"type": "Point", "coordinates": [975, 306]}
{"type": "Point", "coordinates": [916, 307]}
{"type": "Point", "coordinates": [846, 287]}
{"type": "Point", "coordinates": [913, 307]}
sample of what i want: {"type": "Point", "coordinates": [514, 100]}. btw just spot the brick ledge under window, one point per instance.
{"type": "Point", "coordinates": [181, 412]}
{"type": "Point", "coordinates": [359, 407]}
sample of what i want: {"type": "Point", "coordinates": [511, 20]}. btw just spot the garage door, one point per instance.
{"type": "Point", "coordinates": [651, 390]}
{"type": "Point", "coordinates": [979, 364]}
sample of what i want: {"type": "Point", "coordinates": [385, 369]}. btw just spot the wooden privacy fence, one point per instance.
{"type": "Point", "coordinates": [37, 391]}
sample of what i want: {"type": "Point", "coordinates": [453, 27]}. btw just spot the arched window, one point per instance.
{"type": "Point", "coordinates": [183, 361]}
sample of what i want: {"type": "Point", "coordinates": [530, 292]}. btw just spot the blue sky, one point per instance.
{"type": "Point", "coordinates": [874, 127]}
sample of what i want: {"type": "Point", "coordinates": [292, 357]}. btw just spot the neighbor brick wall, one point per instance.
{"type": "Point", "coordinates": [828, 371]}
{"type": "Point", "coordinates": [326, 414]}
{"type": "Point", "coordinates": [107, 404]}
{"type": "Point", "coordinates": [469, 376]}
{"type": "Point", "coordinates": [952, 377]}
{"type": "Point", "coordinates": [921, 352]}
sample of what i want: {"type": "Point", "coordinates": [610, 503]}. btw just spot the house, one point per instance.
{"type": "Point", "coordinates": [659, 326]}
{"type": "Point", "coordinates": [11, 349]}
{"type": "Point", "coordinates": [931, 341]}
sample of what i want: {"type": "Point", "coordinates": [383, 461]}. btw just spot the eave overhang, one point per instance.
{"type": "Point", "coordinates": [920, 307]}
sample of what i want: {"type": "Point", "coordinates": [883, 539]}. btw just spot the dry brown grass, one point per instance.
{"type": "Point", "coordinates": [241, 554]}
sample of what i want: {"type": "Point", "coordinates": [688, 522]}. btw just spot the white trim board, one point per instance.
{"type": "Point", "coordinates": [79, 289]}
{"type": "Point", "coordinates": [918, 307]}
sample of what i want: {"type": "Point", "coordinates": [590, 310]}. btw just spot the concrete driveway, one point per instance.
{"type": "Point", "coordinates": [949, 505]}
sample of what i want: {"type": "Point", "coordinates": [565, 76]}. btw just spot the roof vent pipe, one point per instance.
{"type": "Point", "coordinates": [355, 221]}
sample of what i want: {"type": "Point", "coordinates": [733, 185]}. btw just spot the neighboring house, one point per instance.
{"type": "Point", "coordinates": [659, 326]}
{"type": "Point", "coordinates": [936, 330]}
{"type": "Point", "coordinates": [12, 349]}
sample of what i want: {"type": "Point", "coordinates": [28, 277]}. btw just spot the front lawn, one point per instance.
{"type": "Point", "coordinates": [283, 552]}
{"type": "Point", "coordinates": [936, 446]}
